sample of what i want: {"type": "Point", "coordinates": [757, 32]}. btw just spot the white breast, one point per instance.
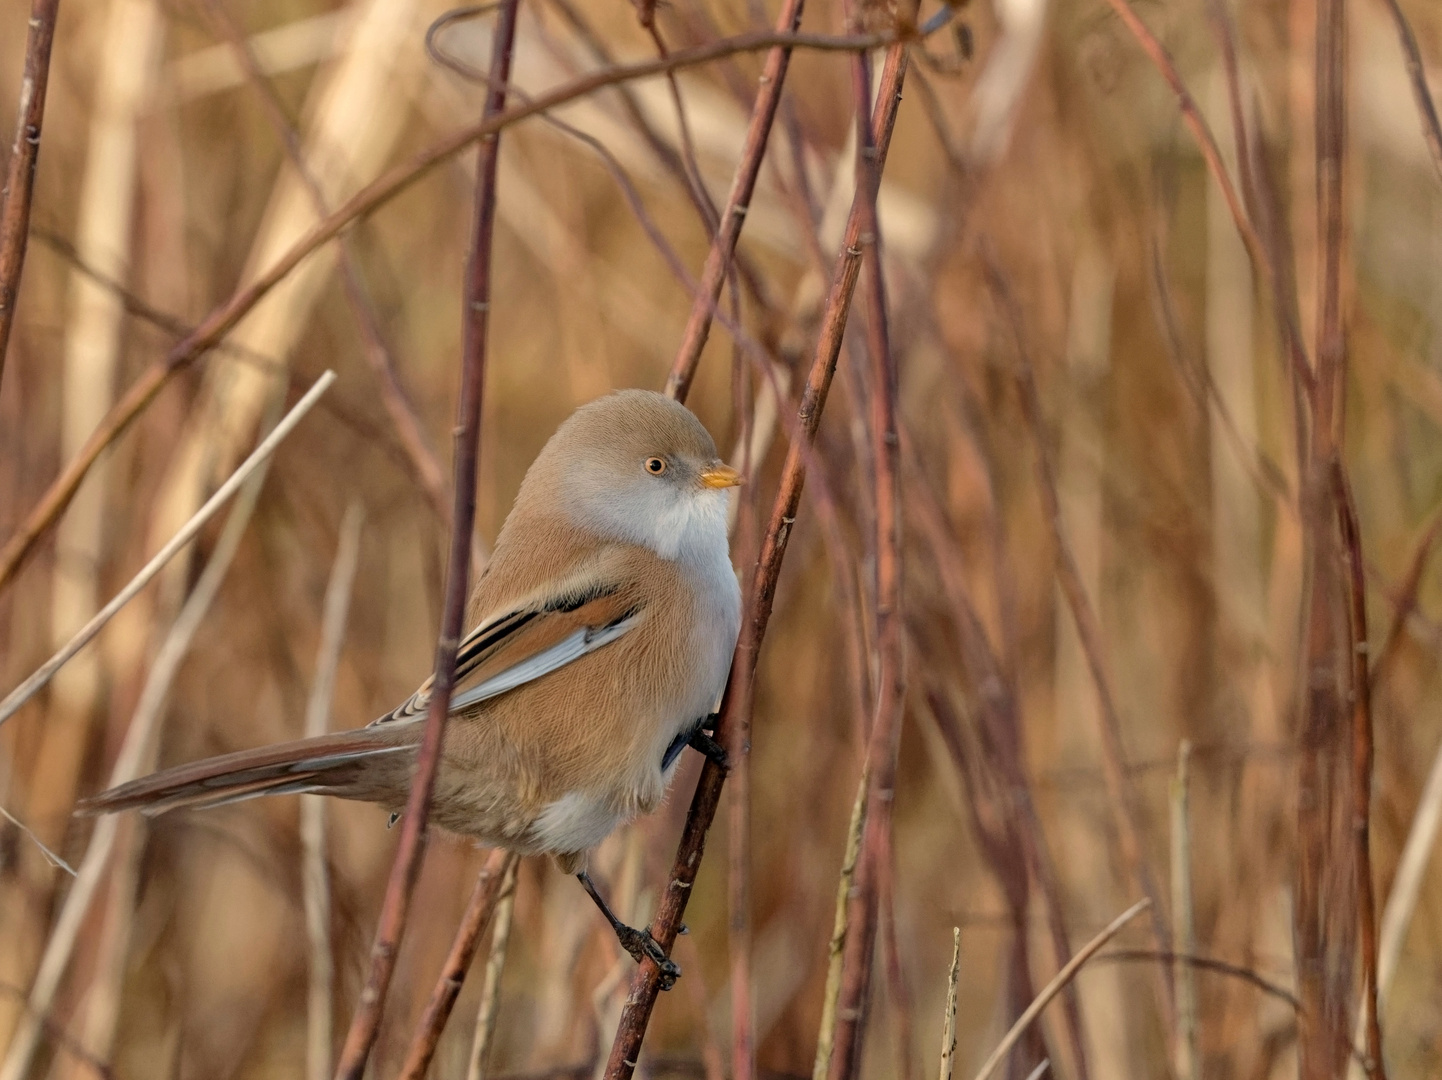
{"type": "Point", "coordinates": [574, 822]}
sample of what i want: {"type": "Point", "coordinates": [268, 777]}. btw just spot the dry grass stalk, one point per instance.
{"type": "Point", "coordinates": [1417, 76]}
{"type": "Point", "coordinates": [826, 1033]}
{"type": "Point", "coordinates": [24, 154]}
{"type": "Point", "coordinates": [27, 689]}
{"type": "Point", "coordinates": [315, 878]}
{"type": "Point", "coordinates": [1187, 1062]}
{"type": "Point", "coordinates": [137, 755]}
{"type": "Point", "coordinates": [996, 774]}
{"type": "Point", "coordinates": [357, 112]}
{"type": "Point", "coordinates": [739, 930]}
{"type": "Point", "coordinates": [1120, 791]}
{"type": "Point", "coordinates": [365, 1022]}
{"type": "Point", "coordinates": [221, 321]}
{"type": "Point", "coordinates": [884, 740]}
{"type": "Point", "coordinates": [948, 1018]}
{"type": "Point", "coordinates": [30, 834]}
{"type": "Point", "coordinates": [499, 868]}
{"type": "Point", "coordinates": [1058, 982]}
{"type": "Point", "coordinates": [1362, 764]}
{"type": "Point", "coordinates": [733, 217]}
{"type": "Point", "coordinates": [490, 1005]}
{"type": "Point", "coordinates": [1263, 258]}
{"type": "Point", "coordinates": [631, 1031]}
{"type": "Point", "coordinates": [424, 465]}
{"type": "Point", "coordinates": [1407, 886]}
{"type": "Point", "coordinates": [92, 350]}
{"type": "Point", "coordinates": [1334, 777]}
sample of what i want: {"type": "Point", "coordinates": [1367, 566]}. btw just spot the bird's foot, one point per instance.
{"type": "Point", "coordinates": [713, 750]}
{"type": "Point", "coordinates": [640, 944]}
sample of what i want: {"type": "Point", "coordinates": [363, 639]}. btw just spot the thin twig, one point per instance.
{"type": "Point", "coordinates": [635, 1017]}
{"type": "Point", "coordinates": [408, 428]}
{"type": "Point", "coordinates": [1000, 775]}
{"type": "Point", "coordinates": [499, 868]}
{"type": "Point", "coordinates": [1417, 76]}
{"type": "Point", "coordinates": [885, 736]}
{"type": "Point", "coordinates": [723, 246]}
{"type": "Point", "coordinates": [1405, 602]}
{"type": "Point", "coordinates": [1407, 884]}
{"type": "Point", "coordinates": [224, 318]}
{"type": "Point", "coordinates": [1362, 759]}
{"type": "Point", "coordinates": [1187, 1064]}
{"type": "Point", "coordinates": [1203, 963]}
{"type": "Point", "coordinates": [26, 690]}
{"type": "Point", "coordinates": [666, 154]}
{"type": "Point", "coordinates": [1262, 262]}
{"type": "Point", "coordinates": [315, 879]}
{"type": "Point", "coordinates": [491, 984]}
{"type": "Point", "coordinates": [51, 857]}
{"type": "Point", "coordinates": [695, 184]}
{"type": "Point", "coordinates": [365, 1023]}
{"type": "Point", "coordinates": [136, 752]}
{"type": "Point", "coordinates": [948, 1018]}
{"type": "Point", "coordinates": [826, 1032]}
{"type": "Point", "coordinates": [24, 154]}
{"type": "Point", "coordinates": [1062, 977]}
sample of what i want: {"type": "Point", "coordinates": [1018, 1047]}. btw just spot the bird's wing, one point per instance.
{"type": "Point", "coordinates": [534, 640]}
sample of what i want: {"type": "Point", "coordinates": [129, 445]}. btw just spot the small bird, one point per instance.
{"type": "Point", "coordinates": [603, 631]}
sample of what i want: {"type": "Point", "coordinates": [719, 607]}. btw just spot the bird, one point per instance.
{"type": "Point", "coordinates": [602, 631]}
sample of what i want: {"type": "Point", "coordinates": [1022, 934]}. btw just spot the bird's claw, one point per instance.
{"type": "Point", "coordinates": [641, 945]}
{"type": "Point", "coordinates": [712, 749]}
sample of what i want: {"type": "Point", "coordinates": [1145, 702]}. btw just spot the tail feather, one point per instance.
{"type": "Point", "coordinates": [370, 763]}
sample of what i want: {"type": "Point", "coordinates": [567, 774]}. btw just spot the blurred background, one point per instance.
{"type": "Point", "coordinates": [1044, 212]}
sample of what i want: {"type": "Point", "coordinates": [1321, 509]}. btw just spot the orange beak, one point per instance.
{"type": "Point", "coordinates": [720, 476]}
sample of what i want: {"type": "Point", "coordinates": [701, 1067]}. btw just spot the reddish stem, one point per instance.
{"type": "Point", "coordinates": [636, 1015]}
{"type": "Point", "coordinates": [365, 1024]}
{"type": "Point", "coordinates": [24, 153]}
{"type": "Point", "coordinates": [723, 246]}
{"type": "Point", "coordinates": [885, 736]}
{"type": "Point", "coordinates": [477, 917]}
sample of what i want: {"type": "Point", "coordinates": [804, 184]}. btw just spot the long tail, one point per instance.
{"type": "Point", "coordinates": [371, 764]}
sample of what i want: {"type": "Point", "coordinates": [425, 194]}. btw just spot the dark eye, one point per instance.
{"type": "Point", "coordinates": [655, 466]}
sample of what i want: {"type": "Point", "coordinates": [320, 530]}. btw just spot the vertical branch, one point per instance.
{"type": "Point", "coordinates": [24, 153]}
{"type": "Point", "coordinates": [1187, 1065]}
{"type": "Point", "coordinates": [365, 1024]}
{"type": "Point", "coordinates": [1327, 915]}
{"type": "Point", "coordinates": [491, 987]}
{"type": "Point", "coordinates": [948, 1018]}
{"type": "Point", "coordinates": [738, 835]}
{"type": "Point", "coordinates": [826, 1032]}
{"type": "Point", "coordinates": [723, 245]}
{"type": "Point", "coordinates": [1417, 76]}
{"type": "Point", "coordinates": [484, 898]}
{"type": "Point", "coordinates": [315, 879]}
{"type": "Point", "coordinates": [885, 734]}
{"type": "Point", "coordinates": [1362, 757]}
{"type": "Point", "coordinates": [998, 782]}
{"type": "Point", "coordinates": [636, 1016]}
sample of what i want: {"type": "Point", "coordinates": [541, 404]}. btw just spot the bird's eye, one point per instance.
{"type": "Point", "coordinates": [655, 466]}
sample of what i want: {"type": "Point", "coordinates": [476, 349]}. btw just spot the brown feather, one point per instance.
{"type": "Point", "coordinates": [329, 763]}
